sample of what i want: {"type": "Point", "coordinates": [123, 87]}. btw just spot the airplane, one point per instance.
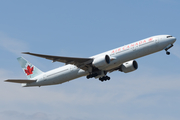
{"type": "Point", "coordinates": [119, 59]}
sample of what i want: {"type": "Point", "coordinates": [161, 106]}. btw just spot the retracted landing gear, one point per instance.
{"type": "Point", "coordinates": [104, 78]}
{"type": "Point", "coordinates": [167, 48]}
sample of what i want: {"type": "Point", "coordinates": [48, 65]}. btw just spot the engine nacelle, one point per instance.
{"type": "Point", "coordinates": [129, 66]}
{"type": "Point", "coordinates": [101, 62]}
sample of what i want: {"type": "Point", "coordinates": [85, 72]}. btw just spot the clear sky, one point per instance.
{"type": "Point", "coordinates": [81, 28]}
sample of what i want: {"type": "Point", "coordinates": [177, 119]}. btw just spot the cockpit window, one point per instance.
{"type": "Point", "coordinates": [169, 36]}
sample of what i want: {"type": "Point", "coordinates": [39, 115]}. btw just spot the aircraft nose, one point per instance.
{"type": "Point", "coordinates": [173, 39]}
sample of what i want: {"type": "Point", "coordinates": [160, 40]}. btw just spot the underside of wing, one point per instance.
{"type": "Point", "coordinates": [79, 62]}
{"type": "Point", "coordinates": [20, 80]}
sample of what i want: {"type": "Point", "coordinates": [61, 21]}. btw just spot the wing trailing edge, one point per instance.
{"type": "Point", "coordinates": [79, 62]}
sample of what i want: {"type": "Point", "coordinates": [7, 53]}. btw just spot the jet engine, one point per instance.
{"type": "Point", "coordinates": [128, 66]}
{"type": "Point", "coordinates": [101, 62]}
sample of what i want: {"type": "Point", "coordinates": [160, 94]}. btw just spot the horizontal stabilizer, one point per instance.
{"type": "Point", "coordinates": [20, 80]}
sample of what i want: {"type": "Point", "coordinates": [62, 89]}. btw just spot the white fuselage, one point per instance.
{"type": "Point", "coordinates": [118, 56]}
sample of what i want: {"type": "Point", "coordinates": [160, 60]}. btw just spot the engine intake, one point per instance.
{"type": "Point", "coordinates": [129, 66]}
{"type": "Point", "coordinates": [101, 62]}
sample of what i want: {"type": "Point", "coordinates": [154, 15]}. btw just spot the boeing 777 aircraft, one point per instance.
{"type": "Point", "coordinates": [121, 59]}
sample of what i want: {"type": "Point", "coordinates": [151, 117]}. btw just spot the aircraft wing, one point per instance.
{"type": "Point", "coordinates": [79, 62]}
{"type": "Point", "coordinates": [20, 80]}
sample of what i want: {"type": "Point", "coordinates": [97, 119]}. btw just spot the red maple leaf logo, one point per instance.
{"type": "Point", "coordinates": [29, 70]}
{"type": "Point", "coordinates": [150, 39]}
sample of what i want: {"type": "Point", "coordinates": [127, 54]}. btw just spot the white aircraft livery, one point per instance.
{"type": "Point", "coordinates": [121, 59]}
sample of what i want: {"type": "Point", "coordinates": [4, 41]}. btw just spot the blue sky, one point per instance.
{"type": "Point", "coordinates": [83, 29]}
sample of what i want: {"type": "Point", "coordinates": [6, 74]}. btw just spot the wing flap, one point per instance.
{"type": "Point", "coordinates": [20, 81]}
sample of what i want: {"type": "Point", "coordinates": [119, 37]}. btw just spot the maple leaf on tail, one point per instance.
{"type": "Point", "coordinates": [29, 70]}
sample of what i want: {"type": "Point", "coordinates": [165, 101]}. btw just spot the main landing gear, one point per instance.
{"type": "Point", "coordinates": [92, 75]}
{"type": "Point", "coordinates": [168, 47]}
{"type": "Point", "coordinates": [104, 78]}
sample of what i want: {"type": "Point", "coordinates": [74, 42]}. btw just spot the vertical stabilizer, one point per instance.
{"type": "Point", "coordinates": [30, 70]}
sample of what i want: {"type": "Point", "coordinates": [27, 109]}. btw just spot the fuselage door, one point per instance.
{"type": "Point", "coordinates": [157, 40]}
{"type": "Point", "coordinates": [44, 77]}
{"type": "Point", "coordinates": [134, 47]}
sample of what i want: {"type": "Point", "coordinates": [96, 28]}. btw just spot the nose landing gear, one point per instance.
{"type": "Point", "coordinates": [168, 53]}
{"type": "Point", "coordinates": [168, 47]}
